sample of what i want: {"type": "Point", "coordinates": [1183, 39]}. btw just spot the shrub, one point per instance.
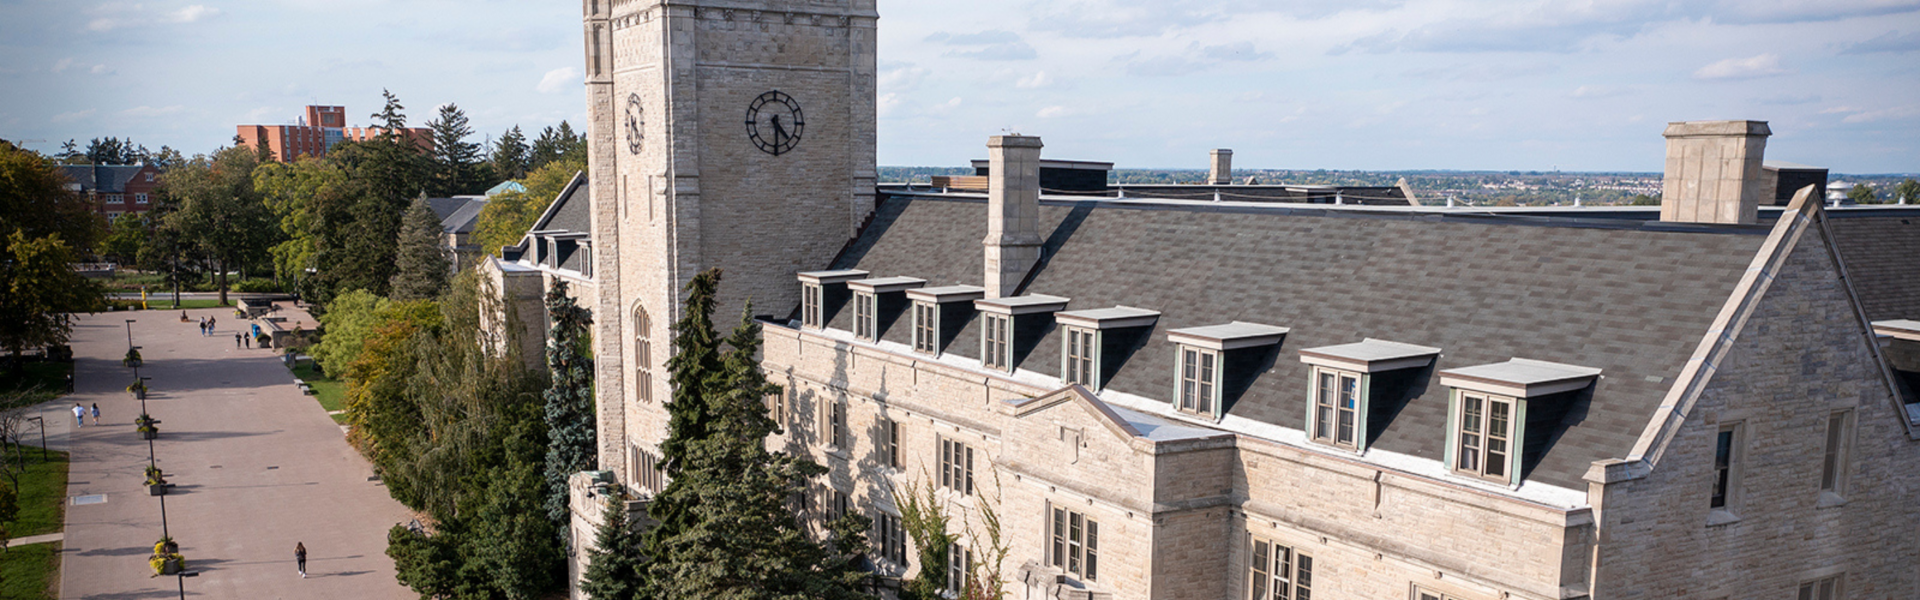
{"type": "Point", "coordinates": [258, 286]}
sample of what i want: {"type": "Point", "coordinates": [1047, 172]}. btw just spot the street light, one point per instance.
{"type": "Point", "coordinates": [183, 581]}
{"type": "Point", "coordinates": [129, 334]}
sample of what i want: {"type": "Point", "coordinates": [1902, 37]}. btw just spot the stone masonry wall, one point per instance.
{"type": "Point", "coordinates": [1801, 356]}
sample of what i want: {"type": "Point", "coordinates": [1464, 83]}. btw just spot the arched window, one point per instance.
{"type": "Point", "coordinates": [642, 355]}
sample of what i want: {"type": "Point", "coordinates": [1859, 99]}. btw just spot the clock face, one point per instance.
{"type": "Point", "coordinates": [774, 123]}
{"type": "Point", "coordinates": [635, 119]}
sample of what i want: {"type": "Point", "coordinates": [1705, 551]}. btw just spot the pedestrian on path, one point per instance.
{"type": "Point", "coordinates": [96, 414]}
{"type": "Point", "coordinates": [236, 340]}
{"type": "Point", "coordinates": [79, 415]}
{"type": "Point", "coordinates": [210, 324]}
{"type": "Point", "coordinates": [300, 556]}
{"type": "Point", "coordinates": [249, 341]}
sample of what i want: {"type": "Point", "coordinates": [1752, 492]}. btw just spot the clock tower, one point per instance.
{"type": "Point", "coordinates": [736, 134]}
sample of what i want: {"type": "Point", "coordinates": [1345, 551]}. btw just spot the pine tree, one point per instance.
{"type": "Point", "coordinates": [509, 156]}
{"type": "Point", "coordinates": [422, 266]}
{"type": "Point", "coordinates": [613, 571]}
{"type": "Point", "coordinates": [545, 149]}
{"type": "Point", "coordinates": [392, 115]}
{"type": "Point", "coordinates": [455, 161]}
{"type": "Point", "coordinates": [569, 412]}
{"type": "Point", "coordinates": [726, 529]}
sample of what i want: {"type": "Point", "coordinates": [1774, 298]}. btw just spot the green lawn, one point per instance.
{"type": "Point", "coordinates": [41, 381]}
{"type": "Point", "coordinates": [166, 303]}
{"type": "Point", "coordinates": [43, 492]}
{"type": "Point", "coordinates": [331, 392]}
{"type": "Point", "coordinates": [27, 572]}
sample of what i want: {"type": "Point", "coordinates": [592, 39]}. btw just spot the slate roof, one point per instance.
{"type": "Point", "coordinates": [463, 219]}
{"type": "Point", "coordinates": [1881, 249]}
{"type": "Point", "coordinates": [1631, 299]}
{"type": "Point", "coordinates": [106, 179]}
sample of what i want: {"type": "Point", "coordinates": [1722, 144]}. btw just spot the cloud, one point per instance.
{"type": "Point", "coordinates": [1788, 100]}
{"type": "Point", "coordinates": [888, 102]}
{"type": "Point", "coordinates": [1146, 18]}
{"type": "Point", "coordinates": [1599, 91]}
{"type": "Point", "coordinates": [986, 45]}
{"type": "Point", "coordinates": [901, 77]}
{"type": "Point", "coordinates": [102, 24]}
{"type": "Point", "coordinates": [63, 65]}
{"type": "Point", "coordinates": [1234, 52]}
{"type": "Point", "coordinates": [192, 14]}
{"type": "Point", "coordinates": [1890, 114]}
{"type": "Point", "coordinates": [73, 116]}
{"type": "Point", "coordinates": [141, 112]}
{"type": "Point", "coordinates": [1163, 66]}
{"type": "Point", "coordinates": [1478, 72]}
{"type": "Point", "coordinates": [558, 80]}
{"type": "Point", "coordinates": [101, 70]}
{"type": "Point", "coordinates": [1035, 81]}
{"type": "Point", "coordinates": [1053, 112]}
{"type": "Point", "coordinates": [1892, 41]}
{"type": "Point", "coordinates": [1752, 67]}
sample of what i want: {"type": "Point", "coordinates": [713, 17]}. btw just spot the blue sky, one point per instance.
{"type": "Point", "coordinates": [1304, 84]}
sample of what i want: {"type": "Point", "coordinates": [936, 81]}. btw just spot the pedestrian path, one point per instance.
{"type": "Point", "coordinates": [35, 539]}
{"type": "Point", "coordinates": [256, 467]}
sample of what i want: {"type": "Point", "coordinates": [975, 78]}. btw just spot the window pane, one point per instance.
{"type": "Point", "coordinates": [1830, 463]}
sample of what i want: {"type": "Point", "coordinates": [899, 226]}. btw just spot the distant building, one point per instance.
{"type": "Point", "coordinates": [114, 189]}
{"type": "Point", "coordinates": [1783, 179]}
{"type": "Point", "coordinates": [318, 132]}
{"type": "Point", "coordinates": [458, 216]}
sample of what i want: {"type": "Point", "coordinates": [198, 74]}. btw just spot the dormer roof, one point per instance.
{"type": "Point", "coordinates": [1021, 305]}
{"type": "Point", "coordinates": [1118, 317]}
{"type": "Point", "coordinates": [946, 294]}
{"type": "Point", "coordinates": [832, 277]}
{"type": "Point", "coordinates": [1231, 336]}
{"type": "Point", "coordinates": [1370, 356]}
{"type": "Point", "coordinates": [886, 285]}
{"type": "Point", "coordinates": [1520, 378]}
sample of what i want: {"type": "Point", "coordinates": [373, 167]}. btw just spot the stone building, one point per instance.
{"type": "Point", "coordinates": [1167, 398]}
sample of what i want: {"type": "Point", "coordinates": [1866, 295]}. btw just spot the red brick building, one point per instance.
{"type": "Point", "coordinates": [323, 127]}
{"type": "Point", "coordinates": [115, 189]}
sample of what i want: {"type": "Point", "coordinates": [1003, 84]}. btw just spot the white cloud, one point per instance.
{"type": "Point", "coordinates": [1764, 65]}
{"type": "Point", "coordinates": [901, 77]}
{"type": "Point", "coordinates": [141, 112]}
{"type": "Point", "coordinates": [101, 70]}
{"type": "Point", "coordinates": [1035, 81]}
{"type": "Point", "coordinates": [1890, 114]}
{"type": "Point", "coordinates": [102, 24]}
{"type": "Point", "coordinates": [558, 80]}
{"type": "Point", "coordinates": [73, 116]}
{"type": "Point", "coordinates": [1053, 112]}
{"type": "Point", "coordinates": [63, 65]}
{"type": "Point", "coordinates": [888, 102]}
{"type": "Point", "coordinates": [192, 14]}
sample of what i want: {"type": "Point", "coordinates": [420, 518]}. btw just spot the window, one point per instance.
{"type": "Point", "coordinates": [959, 565]}
{"type": "Point", "coordinates": [1077, 365]}
{"type": "Point", "coordinates": [642, 356]}
{"type": "Point", "coordinates": [139, 198]}
{"type": "Point", "coordinates": [1833, 463]}
{"type": "Point", "coordinates": [890, 443]}
{"type": "Point", "coordinates": [956, 466]}
{"type": "Point", "coordinates": [1420, 593]}
{"type": "Point", "coordinates": [1336, 408]}
{"type": "Point", "coordinates": [1828, 588]}
{"type": "Point", "coordinates": [995, 352]}
{"type": "Point", "coordinates": [1727, 453]}
{"type": "Point", "coordinates": [1199, 390]}
{"type": "Point", "coordinates": [149, 177]}
{"type": "Point", "coordinates": [644, 470]}
{"type": "Point", "coordinates": [810, 314]}
{"type": "Point", "coordinates": [1076, 544]}
{"type": "Point", "coordinates": [839, 503]}
{"type": "Point", "coordinates": [116, 199]}
{"type": "Point", "coordinates": [926, 327]}
{"type": "Point", "coordinates": [777, 408]}
{"type": "Point", "coordinates": [834, 424]}
{"type": "Point", "coordinates": [890, 539]}
{"type": "Point", "coordinates": [1485, 437]}
{"type": "Point", "coordinates": [1278, 572]}
{"type": "Point", "coordinates": [863, 320]}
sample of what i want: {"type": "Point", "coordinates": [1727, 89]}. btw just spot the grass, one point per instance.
{"type": "Point", "coordinates": [331, 392]}
{"type": "Point", "coordinates": [43, 493]}
{"type": "Point", "coordinates": [41, 381]}
{"type": "Point", "coordinates": [167, 304]}
{"type": "Point", "coordinates": [27, 572]}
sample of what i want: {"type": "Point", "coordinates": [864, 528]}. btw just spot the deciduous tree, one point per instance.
{"type": "Point", "coordinates": [217, 211]}
{"type": "Point", "coordinates": [507, 216]}
{"type": "Point", "coordinates": [1861, 194]}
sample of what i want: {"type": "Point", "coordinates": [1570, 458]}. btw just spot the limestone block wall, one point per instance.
{"type": "Point", "coordinates": [1802, 355]}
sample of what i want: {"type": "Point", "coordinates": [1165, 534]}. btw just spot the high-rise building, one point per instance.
{"type": "Point", "coordinates": [318, 132]}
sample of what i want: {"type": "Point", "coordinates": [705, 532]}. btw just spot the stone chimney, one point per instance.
{"type": "Point", "coordinates": [1013, 212]}
{"type": "Point", "coordinates": [1714, 172]}
{"type": "Point", "coordinates": [1222, 173]}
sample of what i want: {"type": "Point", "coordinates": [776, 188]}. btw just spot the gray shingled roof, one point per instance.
{"type": "Point", "coordinates": [1629, 299]}
{"type": "Point", "coordinates": [1882, 253]}
{"type": "Point", "coordinates": [465, 217]}
{"type": "Point", "coordinates": [106, 179]}
{"type": "Point", "coordinates": [574, 212]}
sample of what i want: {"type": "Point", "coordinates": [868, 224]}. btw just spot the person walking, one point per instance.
{"type": "Point", "coordinates": [300, 557]}
{"type": "Point", "coordinates": [79, 415]}
{"type": "Point", "coordinates": [210, 325]}
{"type": "Point", "coordinates": [249, 341]}
{"type": "Point", "coordinates": [236, 341]}
{"type": "Point", "coordinates": [96, 414]}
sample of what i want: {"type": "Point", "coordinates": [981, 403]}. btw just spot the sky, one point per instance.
{"type": "Point", "coordinates": [1572, 85]}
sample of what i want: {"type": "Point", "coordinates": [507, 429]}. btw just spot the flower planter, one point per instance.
{"type": "Point", "coordinates": [172, 566]}
{"type": "Point", "coordinates": [150, 434]}
{"type": "Point", "coordinates": [132, 364]}
{"type": "Point", "coordinates": [157, 489]}
{"type": "Point", "coordinates": [139, 394]}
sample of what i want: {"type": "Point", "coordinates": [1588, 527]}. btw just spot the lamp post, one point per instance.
{"type": "Point", "coordinates": [183, 575]}
{"type": "Point", "coordinates": [129, 334]}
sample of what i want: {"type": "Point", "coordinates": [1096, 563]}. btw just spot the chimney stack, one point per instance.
{"type": "Point", "coordinates": [1013, 212]}
{"type": "Point", "coordinates": [1222, 168]}
{"type": "Point", "coordinates": [1714, 172]}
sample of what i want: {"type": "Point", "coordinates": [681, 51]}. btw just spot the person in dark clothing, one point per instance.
{"type": "Point", "coordinates": [300, 557]}
{"type": "Point", "coordinates": [236, 340]}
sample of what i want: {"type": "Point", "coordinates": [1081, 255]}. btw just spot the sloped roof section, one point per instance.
{"type": "Point", "coordinates": [1630, 299]}
{"type": "Point", "coordinates": [1881, 250]}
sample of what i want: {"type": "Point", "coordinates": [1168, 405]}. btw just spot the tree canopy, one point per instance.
{"type": "Point", "coordinates": [422, 266]}
{"type": "Point", "coordinates": [507, 215]}
{"type": "Point", "coordinates": [456, 162]}
{"type": "Point", "coordinates": [217, 212]}
{"type": "Point", "coordinates": [42, 225]}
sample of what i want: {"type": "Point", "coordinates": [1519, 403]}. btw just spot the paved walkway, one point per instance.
{"type": "Point", "coordinates": [35, 539]}
{"type": "Point", "coordinates": [257, 467]}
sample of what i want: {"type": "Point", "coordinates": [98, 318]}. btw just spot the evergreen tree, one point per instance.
{"type": "Point", "coordinates": [509, 157]}
{"type": "Point", "coordinates": [557, 144]}
{"type": "Point", "coordinates": [456, 162]}
{"type": "Point", "coordinates": [392, 115]}
{"type": "Point", "coordinates": [613, 570]}
{"type": "Point", "coordinates": [570, 414]}
{"type": "Point", "coordinates": [726, 529]}
{"type": "Point", "coordinates": [422, 266]}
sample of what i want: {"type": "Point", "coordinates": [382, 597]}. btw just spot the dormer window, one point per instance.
{"type": "Point", "coordinates": [1490, 411]}
{"type": "Point", "coordinates": [939, 313]}
{"type": "Point", "coordinates": [822, 293]}
{"type": "Point", "coordinates": [1202, 358]}
{"type": "Point", "coordinates": [1008, 327]}
{"type": "Point", "coordinates": [878, 303]}
{"type": "Point", "coordinates": [1343, 387]}
{"type": "Point", "coordinates": [1087, 334]}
